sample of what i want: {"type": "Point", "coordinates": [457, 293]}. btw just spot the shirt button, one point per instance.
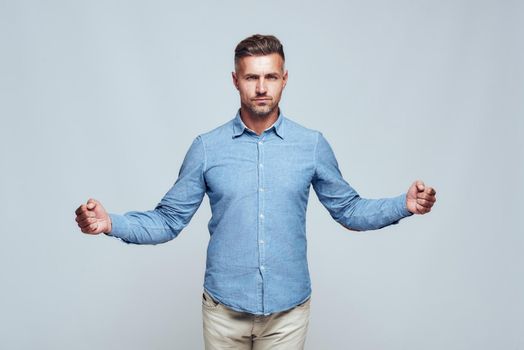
{"type": "Point", "coordinates": [261, 165]}
{"type": "Point", "coordinates": [261, 241]}
{"type": "Point", "coordinates": [261, 216]}
{"type": "Point", "coordinates": [260, 142]}
{"type": "Point", "coordinates": [262, 267]}
{"type": "Point", "coordinates": [261, 189]}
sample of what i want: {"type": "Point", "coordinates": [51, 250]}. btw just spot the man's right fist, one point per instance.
{"type": "Point", "coordinates": [92, 218]}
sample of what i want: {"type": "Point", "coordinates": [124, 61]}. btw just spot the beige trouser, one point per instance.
{"type": "Point", "coordinates": [228, 329]}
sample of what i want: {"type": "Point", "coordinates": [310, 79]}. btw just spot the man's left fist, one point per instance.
{"type": "Point", "coordinates": [420, 198]}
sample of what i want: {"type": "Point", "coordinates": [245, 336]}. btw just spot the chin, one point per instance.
{"type": "Point", "coordinates": [263, 112]}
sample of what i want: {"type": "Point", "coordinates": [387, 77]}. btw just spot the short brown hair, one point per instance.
{"type": "Point", "coordinates": [259, 45]}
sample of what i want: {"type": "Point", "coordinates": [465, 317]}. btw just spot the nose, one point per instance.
{"type": "Point", "coordinates": [261, 86]}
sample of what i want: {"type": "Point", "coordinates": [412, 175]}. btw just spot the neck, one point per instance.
{"type": "Point", "coordinates": [258, 123]}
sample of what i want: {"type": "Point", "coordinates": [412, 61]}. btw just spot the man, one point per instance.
{"type": "Point", "coordinates": [257, 170]}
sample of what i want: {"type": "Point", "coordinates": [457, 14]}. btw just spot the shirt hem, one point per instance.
{"type": "Point", "coordinates": [234, 308]}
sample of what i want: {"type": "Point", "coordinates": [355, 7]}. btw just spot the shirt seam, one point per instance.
{"type": "Point", "coordinates": [205, 154]}
{"type": "Point", "coordinates": [315, 152]}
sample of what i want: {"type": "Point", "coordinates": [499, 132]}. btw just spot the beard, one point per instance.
{"type": "Point", "coordinates": [261, 111]}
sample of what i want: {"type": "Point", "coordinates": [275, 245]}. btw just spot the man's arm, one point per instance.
{"type": "Point", "coordinates": [348, 208]}
{"type": "Point", "coordinates": [170, 216]}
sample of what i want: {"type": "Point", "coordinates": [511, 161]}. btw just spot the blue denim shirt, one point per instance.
{"type": "Point", "coordinates": [258, 189]}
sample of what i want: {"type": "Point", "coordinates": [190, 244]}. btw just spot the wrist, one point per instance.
{"type": "Point", "coordinates": [109, 225]}
{"type": "Point", "coordinates": [407, 206]}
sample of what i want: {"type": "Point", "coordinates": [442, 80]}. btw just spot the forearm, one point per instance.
{"type": "Point", "coordinates": [148, 227]}
{"type": "Point", "coordinates": [371, 214]}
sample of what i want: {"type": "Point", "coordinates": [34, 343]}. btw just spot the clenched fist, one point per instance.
{"type": "Point", "coordinates": [420, 198]}
{"type": "Point", "coordinates": [92, 218]}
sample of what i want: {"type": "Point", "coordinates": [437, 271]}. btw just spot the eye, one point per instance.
{"type": "Point", "coordinates": [250, 77]}
{"type": "Point", "coordinates": [272, 77]}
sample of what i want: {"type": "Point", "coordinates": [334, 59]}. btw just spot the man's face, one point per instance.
{"type": "Point", "coordinates": [260, 81]}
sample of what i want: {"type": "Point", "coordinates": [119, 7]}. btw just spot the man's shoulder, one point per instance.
{"type": "Point", "coordinates": [293, 129]}
{"type": "Point", "coordinates": [219, 132]}
{"type": "Point", "coordinates": [295, 126]}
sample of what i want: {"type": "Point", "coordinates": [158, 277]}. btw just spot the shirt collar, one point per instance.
{"type": "Point", "coordinates": [239, 127]}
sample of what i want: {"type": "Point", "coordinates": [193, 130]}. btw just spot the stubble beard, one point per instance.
{"type": "Point", "coordinates": [261, 112]}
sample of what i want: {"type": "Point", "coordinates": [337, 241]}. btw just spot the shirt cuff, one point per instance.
{"type": "Point", "coordinates": [402, 206]}
{"type": "Point", "coordinates": [119, 226]}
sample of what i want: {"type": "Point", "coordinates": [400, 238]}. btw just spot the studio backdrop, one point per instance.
{"type": "Point", "coordinates": [102, 99]}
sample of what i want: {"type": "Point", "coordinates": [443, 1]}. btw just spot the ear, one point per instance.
{"type": "Point", "coordinates": [235, 79]}
{"type": "Point", "coordinates": [284, 79]}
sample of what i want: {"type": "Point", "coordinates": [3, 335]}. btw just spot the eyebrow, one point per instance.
{"type": "Point", "coordinates": [266, 75]}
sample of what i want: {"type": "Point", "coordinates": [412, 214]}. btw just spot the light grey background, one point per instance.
{"type": "Point", "coordinates": [103, 98]}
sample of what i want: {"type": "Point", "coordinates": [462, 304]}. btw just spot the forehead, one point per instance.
{"type": "Point", "coordinates": [260, 64]}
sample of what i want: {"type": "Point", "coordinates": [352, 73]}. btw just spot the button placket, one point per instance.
{"type": "Point", "coordinates": [261, 215]}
